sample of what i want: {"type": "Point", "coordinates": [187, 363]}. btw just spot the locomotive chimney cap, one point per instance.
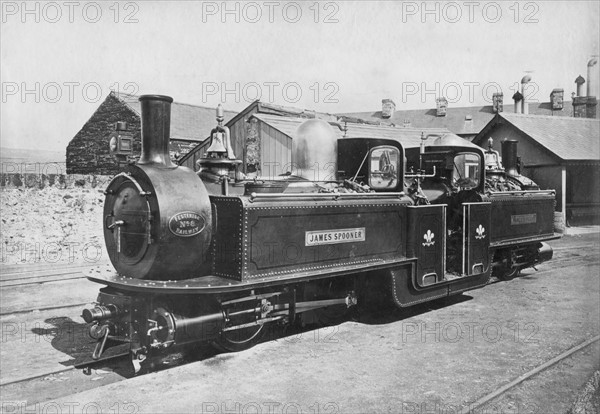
{"type": "Point", "coordinates": [526, 79]}
{"type": "Point", "coordinates": [579, 80]}
{"type": "Point", "coordinates": [156, 98]}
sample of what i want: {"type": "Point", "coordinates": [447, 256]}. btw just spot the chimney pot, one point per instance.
{"type": "Point", "coordinates": [524, 103]}
{"type": "Point", "coordinates": [579, 81]}
{"type": "Point", "coordinates": [441, 106]}
{"type": "Point", "coordinates": [388, 107]}
{"type": "Point", "coordinates": [517, 97]}
{"type": "Point", "coordinates": [592, 77]}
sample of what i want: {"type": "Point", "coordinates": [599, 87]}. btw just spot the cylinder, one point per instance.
{"type": "Point", "coordinates": [198, 328]}
{"type": "Point", "coordinates": [509, 156]}
{"type": "Point", "coordinates": [156, 124]}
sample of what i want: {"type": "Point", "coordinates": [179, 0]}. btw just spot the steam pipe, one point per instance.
{"type": "Point", "coordinates": [156, 123]}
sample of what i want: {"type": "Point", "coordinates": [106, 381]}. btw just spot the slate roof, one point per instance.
{"type": "Point", "coordinates": [188, 122]}
{"type": "Point", "coordinates": [570, 139]}
{"type": "Point", "coordinates": [408, 137]}
{"type": "Point", "coordinates": [456, 117]}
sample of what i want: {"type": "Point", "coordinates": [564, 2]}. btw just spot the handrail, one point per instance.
{"type": "Point", "coordinates": [519, 192]}
{"type": "Point", "coordinates": [333, 196]}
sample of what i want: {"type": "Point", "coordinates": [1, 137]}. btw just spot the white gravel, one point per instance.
{"type": "Point", "coordinates": [51, 225]}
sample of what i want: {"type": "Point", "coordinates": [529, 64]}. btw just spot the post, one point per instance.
{"type": "Point", "coordinates": [563, 195]}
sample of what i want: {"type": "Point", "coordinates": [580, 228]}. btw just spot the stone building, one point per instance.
{"type": "Point", "coordinates": [88, 151]}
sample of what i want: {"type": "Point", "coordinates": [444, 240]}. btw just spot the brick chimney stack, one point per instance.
{"type": "Point", "coordinates": [583, 106]}
{"type": "Point", "coordinates": [556, 99]}
{"type": "Point", "coordinates": [498, 102]}
{"type": "Point", "coordinates": [441, 105]}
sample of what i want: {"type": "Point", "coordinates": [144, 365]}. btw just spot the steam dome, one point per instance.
{"type": "Point", "coordinates": [314, 151]}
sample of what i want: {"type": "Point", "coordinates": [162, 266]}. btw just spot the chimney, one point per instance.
{"type": "Point", "coordinates": [509, 156]}
{"type": "Point", "coordinates": [156, 123]}
{"type": "Point", "coordinates": [579, 101]}
{"type": "Point", "coordinates": [498, 102]}
{"type": "Point", "coordinates": [592, 77]}
{"type": "Point", "coordinates": [524, 104]}
{"type": "Point", "coordinates": [579, 81]}
{"type": "Point", "coordinates": [556, 99]}
{"type": "Point", "coordinates": [388, 107]}
{"type": "Point", "coordinates": [441, 105]}
{"type": "Point", "coordinates": [517, 97]}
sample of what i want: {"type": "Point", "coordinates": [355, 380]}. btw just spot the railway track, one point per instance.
{"type": "Point", "coordinates": [481, 402]}
{"type": "Point", "coordinates": [15, 280]}
{"type": "Point", "coordinates": [58, 277]}
{"type": "Point", "coordinates": [25, 383]}
{"type": "Point", "coordinates": [21, 277]}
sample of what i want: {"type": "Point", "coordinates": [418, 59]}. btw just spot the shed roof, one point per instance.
{"type": "Point", "coordinates": [570, 139]}
{"type": "Point", "coordinates": [188, 122]}
{"type": "Point", "coordinates": [456, 119]}
{"type": "Point", "coordinates": [408, 137]}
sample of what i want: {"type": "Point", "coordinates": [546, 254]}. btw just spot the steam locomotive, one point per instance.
{"type": "Point", "coordinates": [207, 257]}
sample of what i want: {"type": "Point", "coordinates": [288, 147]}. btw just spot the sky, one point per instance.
{"type": "Point", "coordinates": [59, 60]}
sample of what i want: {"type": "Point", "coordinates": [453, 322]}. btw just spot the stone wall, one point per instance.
{"type": "Point", "coordinates": [61, 181]}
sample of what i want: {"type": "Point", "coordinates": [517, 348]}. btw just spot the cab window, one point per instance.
{"type": "Point", "coordinates": [465, 171]}
{"type": "Point", "coordinates": [384, 165]}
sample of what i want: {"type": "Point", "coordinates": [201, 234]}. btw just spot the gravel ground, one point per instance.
{"type": "Point", "coordinates": [51, 225]}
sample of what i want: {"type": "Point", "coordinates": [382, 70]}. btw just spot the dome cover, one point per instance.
{"type": "Point", "coordinates": [314, 151]}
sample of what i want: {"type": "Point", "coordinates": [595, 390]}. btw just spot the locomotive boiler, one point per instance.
{"type": "Point", "coordinates": [407, 225]}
